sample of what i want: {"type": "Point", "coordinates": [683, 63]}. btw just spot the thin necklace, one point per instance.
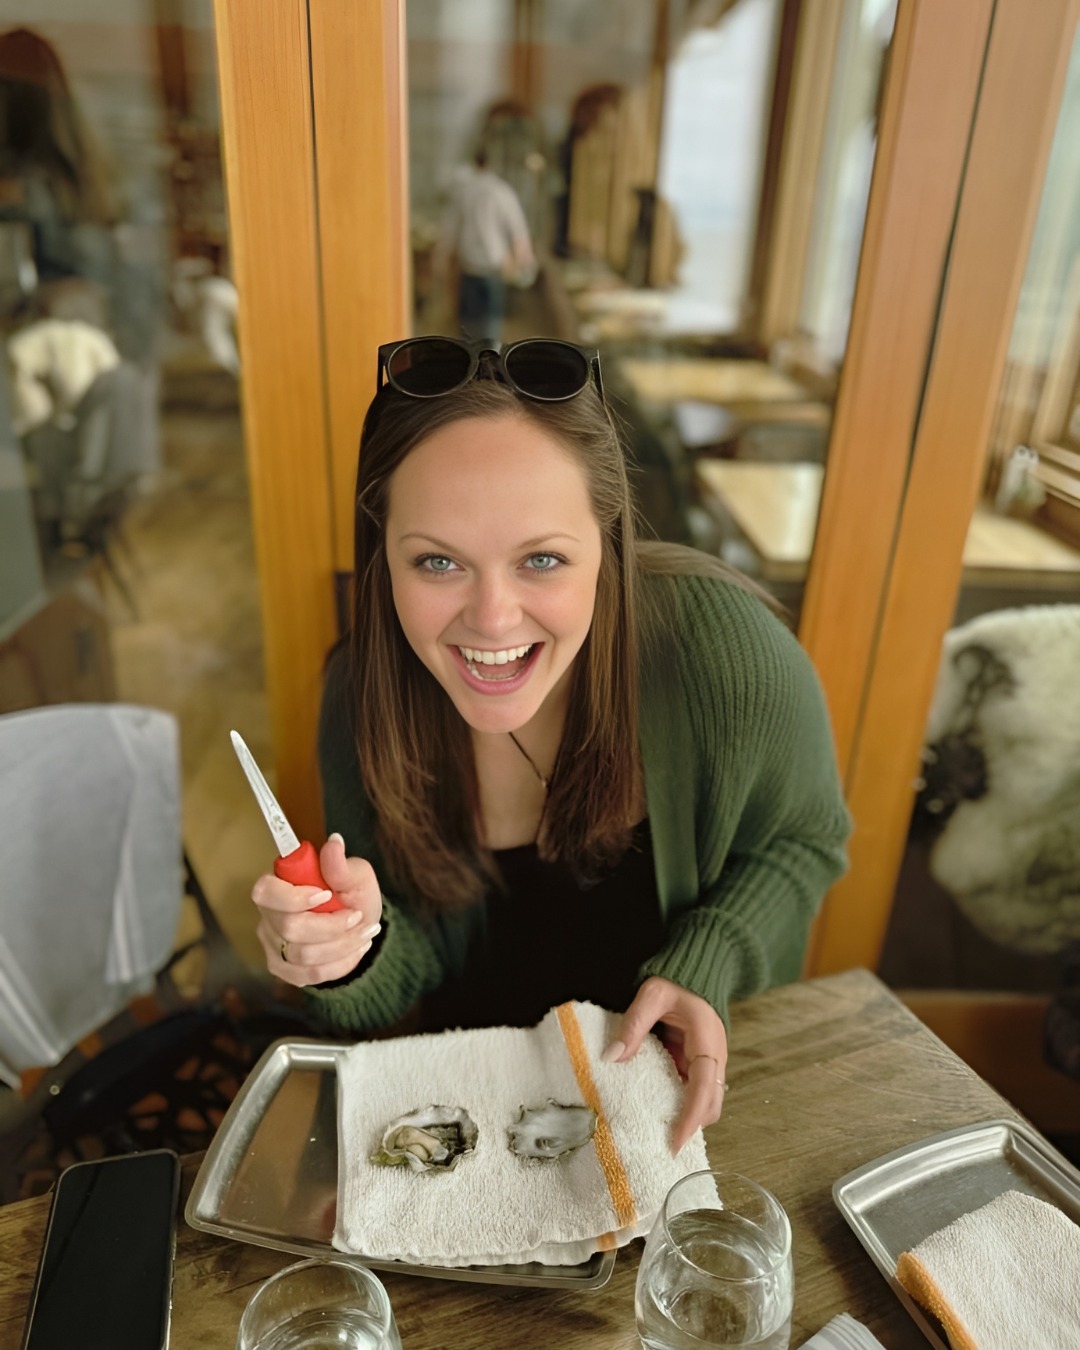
{"type": "Point", "coordinates": [530, 761]}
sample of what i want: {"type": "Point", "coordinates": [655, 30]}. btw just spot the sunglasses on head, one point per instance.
{"type": "Point", "coordinates": [545, 369]}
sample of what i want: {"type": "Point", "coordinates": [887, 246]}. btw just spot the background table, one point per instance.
{"type": "Point", "coordinates": [775, 506]}
{"type": "Point", "coordinates": [825, 1075]}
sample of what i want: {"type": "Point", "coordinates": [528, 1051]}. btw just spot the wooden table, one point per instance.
{"type": "Point", "coordinates": [775, 506]}
{"type": "Point", "coordinates": [825, 1075]}
{"type": "Point", "coordinates": [750, 391]}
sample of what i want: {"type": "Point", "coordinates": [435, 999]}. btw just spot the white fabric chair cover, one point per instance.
{"type": "Point", "coordinates": [91, 876]}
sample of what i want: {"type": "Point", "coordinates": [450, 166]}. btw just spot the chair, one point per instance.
{"type": "Point", "coordinates": [85, 474]}
{"type": "Point", "coordinates": [1003, 772]}
{"type": "Point", "coordinates": [102, 1048]}
{"type": "Point", "coordinates": [1001, 794]}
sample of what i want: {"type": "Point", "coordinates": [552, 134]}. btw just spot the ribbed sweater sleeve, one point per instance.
{"type": "Point", "coordinates": [770, 823]}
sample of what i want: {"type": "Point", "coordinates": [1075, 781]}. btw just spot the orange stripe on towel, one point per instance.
{"type": "Point", "coordinates": [618, 1183]}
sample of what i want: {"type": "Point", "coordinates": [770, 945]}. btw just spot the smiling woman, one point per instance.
{"type": "Point", "coordinates": [558, 763]}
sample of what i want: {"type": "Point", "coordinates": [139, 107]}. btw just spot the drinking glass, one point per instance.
{"type": "Point", "coordinates": [716, 1270]}
{"type": "Point", "coordinates": [319, 1305]}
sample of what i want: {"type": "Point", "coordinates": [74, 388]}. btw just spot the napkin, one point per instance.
{"type": "Point", "coordinates": [1004, 1276]}
{"type": "Point", "coordinates": [495, 1207]}
{"type": "Point", "coordinates": [843, 1333]}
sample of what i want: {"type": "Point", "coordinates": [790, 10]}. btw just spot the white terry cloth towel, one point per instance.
{"type": "Point", "coordinates": [844, 1333]}
{"type": "Point", "coordinates": [1004, 1276]}
{"type": "Point", "coordinates": [494, 1207]}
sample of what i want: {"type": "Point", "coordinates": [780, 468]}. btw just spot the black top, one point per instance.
{"type": "Point", "coordinates": [549, 939]}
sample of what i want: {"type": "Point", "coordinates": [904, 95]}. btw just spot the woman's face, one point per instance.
{"type": "Point", "coordinates": [494, 554]}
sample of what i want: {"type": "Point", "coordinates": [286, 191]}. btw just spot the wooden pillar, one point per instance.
{"type": "Point", "coordinates": [319, 264]}
{"type": "Point", "coordinates": [1002, 184]}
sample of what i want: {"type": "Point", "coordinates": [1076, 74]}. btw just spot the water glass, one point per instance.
{"type": "Point", "coordinates": [319, 1305]}
{"type": "Point", "coordinates": [717, 1269]}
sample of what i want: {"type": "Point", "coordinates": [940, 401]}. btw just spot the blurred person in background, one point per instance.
{"type": "Point", "coordinates": [52, 176]}
{"type": "Point", "coordinates": [82, 345]}
{"type": "Point", "coordinates": [485, 231]}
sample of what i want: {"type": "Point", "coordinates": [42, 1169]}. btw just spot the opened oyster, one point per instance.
{"type": "Point", "coordinates": [434, 1138]}
{"type": "Point", "coordinates": [551, 1131]}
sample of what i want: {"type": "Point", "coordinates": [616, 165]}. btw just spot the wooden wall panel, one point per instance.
{"type": "Point", "coordinates": [263, 66]}
{"type": "Point", "coordinates": [1009, 148]}
{"type": "Point", "coordinates": [358, 78]}
{"type": "Point", "coordinates": [314, 130]}
{"type": "Point", "coordinates": [812, 80]}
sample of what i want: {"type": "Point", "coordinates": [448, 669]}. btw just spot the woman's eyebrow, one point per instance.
{"type": "Point", "coordinates": [525, 543]}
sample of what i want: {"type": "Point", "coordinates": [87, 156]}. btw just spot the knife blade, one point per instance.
{"type": "Point", "coordinates": [299, 862]}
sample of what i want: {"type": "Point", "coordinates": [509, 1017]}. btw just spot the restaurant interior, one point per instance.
{"type": "Point", "coordinates": [831, 263]}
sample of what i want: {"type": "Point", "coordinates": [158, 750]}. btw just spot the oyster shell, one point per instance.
{"type": "Point", "coordinates": [432, 1139]}
{"type": "Point", "coordinates": [551, 1131]}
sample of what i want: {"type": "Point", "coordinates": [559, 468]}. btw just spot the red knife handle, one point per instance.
{"type": "Point", "coordinates": [301, 868]}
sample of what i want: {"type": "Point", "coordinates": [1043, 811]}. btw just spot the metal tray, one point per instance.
{"type": "Point", "coordinates": [270, 1175]}
{"type": "Point", "coordinates": [896, 1201]}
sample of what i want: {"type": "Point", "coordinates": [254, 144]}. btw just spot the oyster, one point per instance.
{"type": "Point", "coordinates": [435, 1138]}
{"type": "Point", "coordinates": [551, 1131]}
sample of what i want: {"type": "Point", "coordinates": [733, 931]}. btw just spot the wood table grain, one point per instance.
{"type": "Point", "coordinates": [825, 1075]}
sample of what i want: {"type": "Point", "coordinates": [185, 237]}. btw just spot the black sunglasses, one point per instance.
{"type": "Point", "coordinates": [545, 369]}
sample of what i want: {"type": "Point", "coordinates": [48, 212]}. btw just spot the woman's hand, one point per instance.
{"type": "Point", "coordinates": [695, 1038]}
{"type": "Point", "coordinates": [305, 948]}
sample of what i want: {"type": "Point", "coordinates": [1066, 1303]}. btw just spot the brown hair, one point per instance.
{"type": "Point", "coordinates": [41, 128]}
{"type": "Point", "coordinates": [413, 747]}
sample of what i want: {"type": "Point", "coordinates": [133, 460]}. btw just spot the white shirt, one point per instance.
{"type": "Point", "coordinates": [484, 224]}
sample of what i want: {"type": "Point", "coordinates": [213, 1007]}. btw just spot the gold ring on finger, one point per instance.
{"type": "Point", "coordinates": [284, 957]}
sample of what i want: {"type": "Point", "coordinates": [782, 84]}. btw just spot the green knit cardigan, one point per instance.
{"type": "Point", "coordinates": [746, 813]}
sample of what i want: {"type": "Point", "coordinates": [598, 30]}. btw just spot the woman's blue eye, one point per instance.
{"type": "Point", "coordinates": [544, 562]}
{"type": "Point", "coordinates": [435, 562]}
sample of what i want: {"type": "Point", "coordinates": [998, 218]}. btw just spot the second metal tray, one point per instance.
{"type": "Point", "coordinates": [270, 1174]}
{"type": "Point", "coordinates": [896, 1201]}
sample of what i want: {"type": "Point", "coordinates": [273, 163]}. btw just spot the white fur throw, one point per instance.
{"type": "Point", "coordinates": [1011, 858]}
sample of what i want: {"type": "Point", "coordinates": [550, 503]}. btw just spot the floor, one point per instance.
{"type": "Point", "coordinates": [194, 646]}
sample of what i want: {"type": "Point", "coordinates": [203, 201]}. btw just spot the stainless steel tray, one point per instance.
{"type": "Point", "coordinates": [270, 1174]}
{"type": "Point", "coordinates": [896, 1201]}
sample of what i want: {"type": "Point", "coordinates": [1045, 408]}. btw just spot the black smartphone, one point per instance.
{"type": "Point", "coordinates": [104, 1281]}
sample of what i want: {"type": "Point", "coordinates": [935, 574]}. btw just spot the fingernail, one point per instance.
{"type": "Point", "coordinates": [338, 837]}
{"type": "Point", "coordinates": [370, 932]}
{"type": "Point", "coordinates": [320, 899]}
{"type": "Point", "coordinates": [613, 1052]}
{"type": "Point", "coordinates": [357, 916]}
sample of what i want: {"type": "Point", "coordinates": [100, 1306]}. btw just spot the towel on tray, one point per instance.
{"type": "Point", "coordinates": [1004, 1276]}
{"type": "Point", "coordinates": [494, 1207]}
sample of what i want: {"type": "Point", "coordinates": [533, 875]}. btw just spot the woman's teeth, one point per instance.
{"type": "Point", "coordinates": [507, 656]}
{"type": "Point", "coordinates": [494, 658]}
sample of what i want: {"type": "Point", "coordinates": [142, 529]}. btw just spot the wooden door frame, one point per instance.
{"type": "Point", "coordinates": [313, 133]}
{"type": "Point", "coordinates": [1006, 161]}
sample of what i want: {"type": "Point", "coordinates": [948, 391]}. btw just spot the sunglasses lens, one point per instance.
{"type": "Point", "coordinates": [547, 370]}
{"type": "Point", "coordinates": [428, 367]}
